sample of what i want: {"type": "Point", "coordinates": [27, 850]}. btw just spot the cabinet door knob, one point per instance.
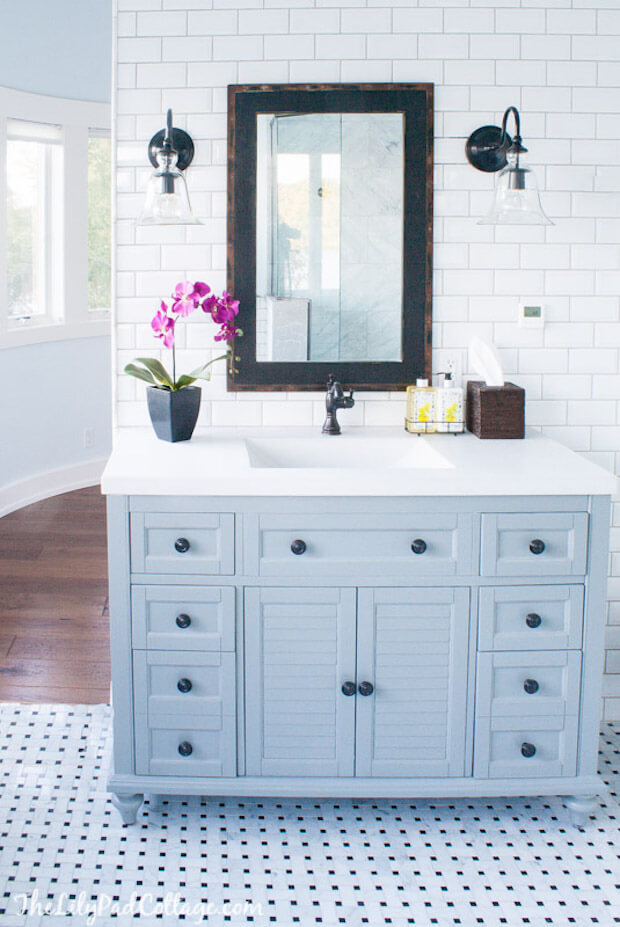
{"type": "Point", "coordinates": [537, 546]}
{"type": "Point", "coordinates": [418, 546]}
{"type": "Point", "coordinates": [184, 685]}
{"type": "Point", "coordinates": [298, 546]}
{"type": "Point", "coordinates": [533, 620]}
{"type": "Point", "coordinates": [185, 748]}
{"type": "Point", "coordinates": [531, 686]}
{"type": "Point", "coordinates": [528, 750]}
{"type": "Point", "coordinates": [348, 688]}
{"type": "Point", "coordinates": [366, 688]}
{"type": "Point", "coordinates": [182, 545]}
{"type": "Point", "coordinates": [183, 621]}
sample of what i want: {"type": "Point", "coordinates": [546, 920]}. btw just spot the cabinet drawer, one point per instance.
{"type": "Point", "coordinates": [182, 618]}
{"type": "Point", "coordinates": [213, 752]}
{"type": "Point", "coordinates": [547, 544]}
{"type": "Point", "coordinates": [528, 685]}
{"type": "Point", "coordinates": [159, 681]}
{"type": "Point", "coordinates": [500, 745]}
{"type": "Point", "coordinates": [187, 543]}
{"type": "Point", "coordinates": [336, 545]}
{"type": "Point", "coordinates": [530, 617]}
{"type": "Point", "coordinates": [203, 715]}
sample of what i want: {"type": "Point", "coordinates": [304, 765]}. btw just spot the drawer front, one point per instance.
{"type": "Point", "coordinates": [213, 752]}
{"type": "Point", "coordinates": [528, 685]}
{"type": "Point", "coordinates": [186, 700]}
{"type": "Point", "coordinates": [547, 544]}
{"type": "Point", "coordinates": [530, 617]}
{"type": "Point", "coordinates": [182, 618]}
{"type": "Point", "coordinates": [187, 543]}
{"type": "Point", "coordinates": [501, 743]}
{"type": "Point", "coordinates": [368, 546]}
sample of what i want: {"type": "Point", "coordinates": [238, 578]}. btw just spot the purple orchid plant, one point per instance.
{"type": "Point", "coordinates": [188, 297]}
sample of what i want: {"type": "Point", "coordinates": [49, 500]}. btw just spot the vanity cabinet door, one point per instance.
{"type": "Point", "coordinates": [412, 646]}
{"type": "Point", "coordinates": [300, 650]}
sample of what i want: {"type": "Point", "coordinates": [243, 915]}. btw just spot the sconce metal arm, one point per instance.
{"type": "Point", "coordinates": [487, 147]}
{"type": "Point", "coordinates": [514, 144]}
{"type": "Point", "coordinates": [172, 141]}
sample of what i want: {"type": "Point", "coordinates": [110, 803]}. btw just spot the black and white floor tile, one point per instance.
{"type": "Point", "coordinates": [66, 858]}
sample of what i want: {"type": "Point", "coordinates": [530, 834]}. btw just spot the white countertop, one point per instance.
{"type": "Point", "coordinates": [218, 464]}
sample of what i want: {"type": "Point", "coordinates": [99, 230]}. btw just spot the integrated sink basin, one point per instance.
{"type": "Point", "coordinates": [344, 452]}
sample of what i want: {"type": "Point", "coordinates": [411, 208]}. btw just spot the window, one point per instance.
{"type": "Point", "coordinates": [99, 221]}
{"type": "Point", "coordinates": [55, 250]}
{"type": "Point", "coordinates": [32, 219]}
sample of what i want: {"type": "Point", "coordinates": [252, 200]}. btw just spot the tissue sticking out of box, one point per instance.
{"type": "Point", "coordinates": [483, 358]}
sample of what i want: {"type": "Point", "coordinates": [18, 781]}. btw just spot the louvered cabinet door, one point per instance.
{"type": "Point", "coordinates": [300, 649]}
{"type": "Point", "coordinates": [412, 646]}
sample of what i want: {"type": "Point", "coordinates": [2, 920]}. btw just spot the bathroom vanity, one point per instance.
{"type": "Point", "coordinates": [369, 615]}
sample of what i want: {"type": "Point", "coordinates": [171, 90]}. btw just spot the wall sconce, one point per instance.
{"type": "Point", "coordinates": [167, 201]}
{"type": "Point", "coordinates": [517, 201]}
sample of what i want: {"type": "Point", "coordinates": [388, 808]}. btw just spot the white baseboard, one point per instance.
{"type": "Point", "coordinates": [43, 485]}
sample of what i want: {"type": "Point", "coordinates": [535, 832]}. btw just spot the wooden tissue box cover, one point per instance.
{"type": "Point", "coordinates": [495, 411]}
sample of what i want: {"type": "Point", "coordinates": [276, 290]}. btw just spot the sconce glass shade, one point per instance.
{"type": "Point", "coordinates": [167, 200]}
{"type": "Point", "coordinates": [516, 200]}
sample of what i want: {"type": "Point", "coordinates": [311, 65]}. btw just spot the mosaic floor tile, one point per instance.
{"type": "Point", "coordinates": [513, 862]}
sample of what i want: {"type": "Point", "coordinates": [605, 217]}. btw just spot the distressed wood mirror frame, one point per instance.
{"type": "Point", "coordinates": [415, 102]}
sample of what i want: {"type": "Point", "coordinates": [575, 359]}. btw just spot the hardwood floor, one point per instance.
{"type": "Point", "coordinates": [54, 638]}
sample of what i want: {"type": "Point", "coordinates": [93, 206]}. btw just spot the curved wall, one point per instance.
{"type": "Point", "coordinates": [55, 390]}
{"type": "Point", "coordinates": [61, 48]}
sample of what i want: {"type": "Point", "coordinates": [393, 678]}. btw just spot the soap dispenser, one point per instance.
{"type": "Point", "coordinates": [421, 407]}
{"type": "Point", "coordinates": [450, 405]}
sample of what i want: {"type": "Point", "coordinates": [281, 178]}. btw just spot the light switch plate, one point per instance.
{"type": "Point", "coordinates": [531, 315]}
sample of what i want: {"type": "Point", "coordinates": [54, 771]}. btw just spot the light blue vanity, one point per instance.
{"type": "Point", "coordinates": [376, 615]}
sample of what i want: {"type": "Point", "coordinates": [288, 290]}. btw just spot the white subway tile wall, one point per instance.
{"type": "Point", "coordinates": [558, 61]}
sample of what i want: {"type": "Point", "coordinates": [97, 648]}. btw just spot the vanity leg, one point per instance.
{"type": "Point", "coordinates": [127, 806]}
{"type": "Point", "coordinates": [580, 807]}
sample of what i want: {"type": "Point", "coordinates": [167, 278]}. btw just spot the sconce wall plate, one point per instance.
{"type": "Point", "coordinates": [484, 149]}
{"type": "Point", "coordinates": [181, 142]}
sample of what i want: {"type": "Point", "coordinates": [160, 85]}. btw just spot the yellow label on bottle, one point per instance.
{"type": "Point", "coordinates": [452, 412]}
{"type": "Point", "coordinates": [424, 412]}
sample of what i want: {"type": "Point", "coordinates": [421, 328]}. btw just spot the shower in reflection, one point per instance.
{"type": "Point", "coordinates": [330, 236]}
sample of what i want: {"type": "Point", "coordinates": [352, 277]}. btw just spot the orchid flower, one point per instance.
{"type": "Point", "coordinates": [184, 300]}
{"type": "Point", "coordinates": [227, 332]}
{"type": "Point", "coordinates": [163, 326]}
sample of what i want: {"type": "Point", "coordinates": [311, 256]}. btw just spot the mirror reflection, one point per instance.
{"type": "Point", "coordinates": [329, 236]}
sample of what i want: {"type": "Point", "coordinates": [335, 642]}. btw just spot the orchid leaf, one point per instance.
{"type": "Point", "coordinates": [158, 370]}
{"type": "Point", "coordinates": [184, 380]}
{"type": "Point", "coordinates": [203, 372]}
{"type": "Point", "coordinates": [140, 374]}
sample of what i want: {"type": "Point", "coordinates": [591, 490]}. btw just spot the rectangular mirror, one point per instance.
{"type": "Point", "coordinates": [330, 234]}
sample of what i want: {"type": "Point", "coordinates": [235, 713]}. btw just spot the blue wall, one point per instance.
{"type": "Point", "coordinates": [61, 48]}
{"type": "Point", "coordinates": [56, 390]}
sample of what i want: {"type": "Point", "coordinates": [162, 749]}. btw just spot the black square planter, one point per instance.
{"type": "Point", "coordinates": [173, 413]}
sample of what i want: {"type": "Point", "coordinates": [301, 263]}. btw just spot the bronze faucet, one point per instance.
{"type": "Point", "coordinates": [335, 399]}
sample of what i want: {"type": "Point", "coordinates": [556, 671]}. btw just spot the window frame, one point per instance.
{"type": "Point", "coordinates": [77, 120]}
